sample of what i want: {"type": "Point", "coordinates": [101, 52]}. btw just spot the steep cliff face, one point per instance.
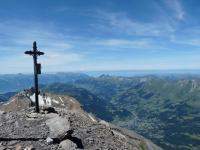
{"type": "Point", "coordinates": [60, 125]}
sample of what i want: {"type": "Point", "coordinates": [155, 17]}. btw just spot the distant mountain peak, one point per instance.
{"type": "Point", "coordinates": [104, 76]}
{"type": "Point", "coordinates": [26, 99]}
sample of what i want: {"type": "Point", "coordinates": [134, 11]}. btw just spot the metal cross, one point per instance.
{"type": "Point", "coordinates": [37, 70]}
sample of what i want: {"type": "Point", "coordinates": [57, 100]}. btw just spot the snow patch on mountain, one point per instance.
{"type": "Point", "coordinates": [9, 101]}
{"type": "Point", "coordinates": [94, 120]}
{"type": "Point", "coordinates": [43, 100]}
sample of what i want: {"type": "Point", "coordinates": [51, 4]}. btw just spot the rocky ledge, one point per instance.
{"type": "Point", "coordinates": [63, 129]}
{"type": "Point", "coordinates": [61, 125]}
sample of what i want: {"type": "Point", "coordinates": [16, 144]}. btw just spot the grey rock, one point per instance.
{"type": "Point", "coordinates": [30, 147]}
{"type": "Point", "coordinates": [67, 145]}
{"type": "Point", "coordinates": [2, 147]}
{"type": "Point", "coordinates": [18, 147]}
{"type": "Point", "coordinates": [2, 112]}
{"type": "Point", "coordinates": [49, 140]}
{"type": "Point", "coordinates": [58, 126]}
{"type": "Point", "coordinates": [12, 142]}
{"type": "Point", "coordinates": [32, 115]}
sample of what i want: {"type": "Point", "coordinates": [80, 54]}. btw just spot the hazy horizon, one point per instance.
{"type": "Point", "coordinates": [123, 72]}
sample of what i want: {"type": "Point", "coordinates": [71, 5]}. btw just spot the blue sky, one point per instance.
{"type": "Point", "coordinates": [82, 35]}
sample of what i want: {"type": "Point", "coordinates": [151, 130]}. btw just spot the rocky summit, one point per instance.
{"type": "Point", "coordinates": [61, 125]}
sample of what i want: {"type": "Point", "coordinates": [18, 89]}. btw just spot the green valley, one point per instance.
{"type": "Point", "coordinates": [165, 110]}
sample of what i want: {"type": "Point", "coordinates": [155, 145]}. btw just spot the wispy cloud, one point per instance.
{"type": "Point", "coordinates": [93, 39]}
{"type": "Point", "coordinates": [192, 41]}
{"type": "Point", "coordinates": [176, 7]}
{"type": "Point", "coordinates": [121, 23]}
{"type": "Point", "coordinates": [58, 48]}
{"type": "Point", "coordinates": [122, 44]}
{"type": "Point", "coordinates": [21, 34]}
{"type": "Point", "coordinates": [61, 58]}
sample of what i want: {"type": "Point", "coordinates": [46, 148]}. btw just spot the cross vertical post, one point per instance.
{"type": "Point", "coordinates": [35, 76]}
{"type": "Point", "coordinates": [37, 70]}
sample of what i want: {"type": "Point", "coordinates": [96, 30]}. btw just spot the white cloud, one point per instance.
{"type": "Point", "coordinates": [60, 58]}
{"type": "Point", "coordinates": [58, 48]}
{"type": "Point", "coordinates": [192, 41]}
{"type": "Point", "coordinates": [148, 64]}
{"type": "Point", "coordinates": [51, 61]}
{"type": "Point", "coordinates": [125, 43]}
{"type": "Point", "coordinates": [64, 53]}
{"type": "Point", "coordinates": [177, 8]}
{"type": "Point", "coordinates": [24, 33]}
{"type": "Point", "coordinates": [121, 23]}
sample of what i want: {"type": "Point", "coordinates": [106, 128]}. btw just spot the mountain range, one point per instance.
{"type": "Point", "coordinates": [18, 82]}
{"type": "Point", "coordinates": [165, 109]}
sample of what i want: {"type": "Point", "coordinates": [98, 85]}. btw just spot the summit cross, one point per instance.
{"type": "Point", "coordinates": [37, 70]}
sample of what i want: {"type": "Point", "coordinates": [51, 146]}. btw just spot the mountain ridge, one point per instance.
{"type": "Point", "coordinates": [163, 108]}
{"type": "Point", "coordinates": [61, 124]}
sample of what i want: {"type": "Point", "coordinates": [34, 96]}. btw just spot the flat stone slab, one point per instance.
{"type": "Point", "coordinates": [58, 126]}
{"type": "Point", "coordinates": [67, 144]}
{"type": "Point", "coordinates": [24, 129]}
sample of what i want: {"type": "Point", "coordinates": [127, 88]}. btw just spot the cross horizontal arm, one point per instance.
{"type": "Point", "coordinates": [39, 53]}
{"type": "Point", "coordinates": [32, 53]}
{"type": "Point", "coordinates": [29, 52]}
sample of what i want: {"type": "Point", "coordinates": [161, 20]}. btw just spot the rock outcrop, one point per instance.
{"type": "Point", "coordinates": [63, 128]}
{"type": "Point", "coordinates": [26, 99]}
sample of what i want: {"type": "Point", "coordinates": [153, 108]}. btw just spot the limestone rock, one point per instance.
{"type": "Point", "coordinates": [67, 144]}
{"type": "Point", "coordinates": [2, 112]}
{"type": "Point", "coordinates": [2, 147]}
{"type": "Point", "coordinates": [18, 147]}
{"type": "Point", "coordinates": [30, 147]}
{"type": "Point", "coordinates": [49, 140]}
{"type": "Point", "coordinates": [58, 126]}
{"type": "Point", "coordinates": [32, 115]}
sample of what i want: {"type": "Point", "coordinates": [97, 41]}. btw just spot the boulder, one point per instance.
{"type": "Point", "coordinates": [49, 140]}
{"type": "Point", "coordinates": [2, 112]}
{"type": "Point", "coordinates": [2, 147]}
{"type": "Point", "coordinates": [67, 144]}
{"type": "Point", "coordinates": [30, 147]}
{"type": "Point", "coordinates": [59, 127]}
{"type": "Point", "coordinates": [18, 147]}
